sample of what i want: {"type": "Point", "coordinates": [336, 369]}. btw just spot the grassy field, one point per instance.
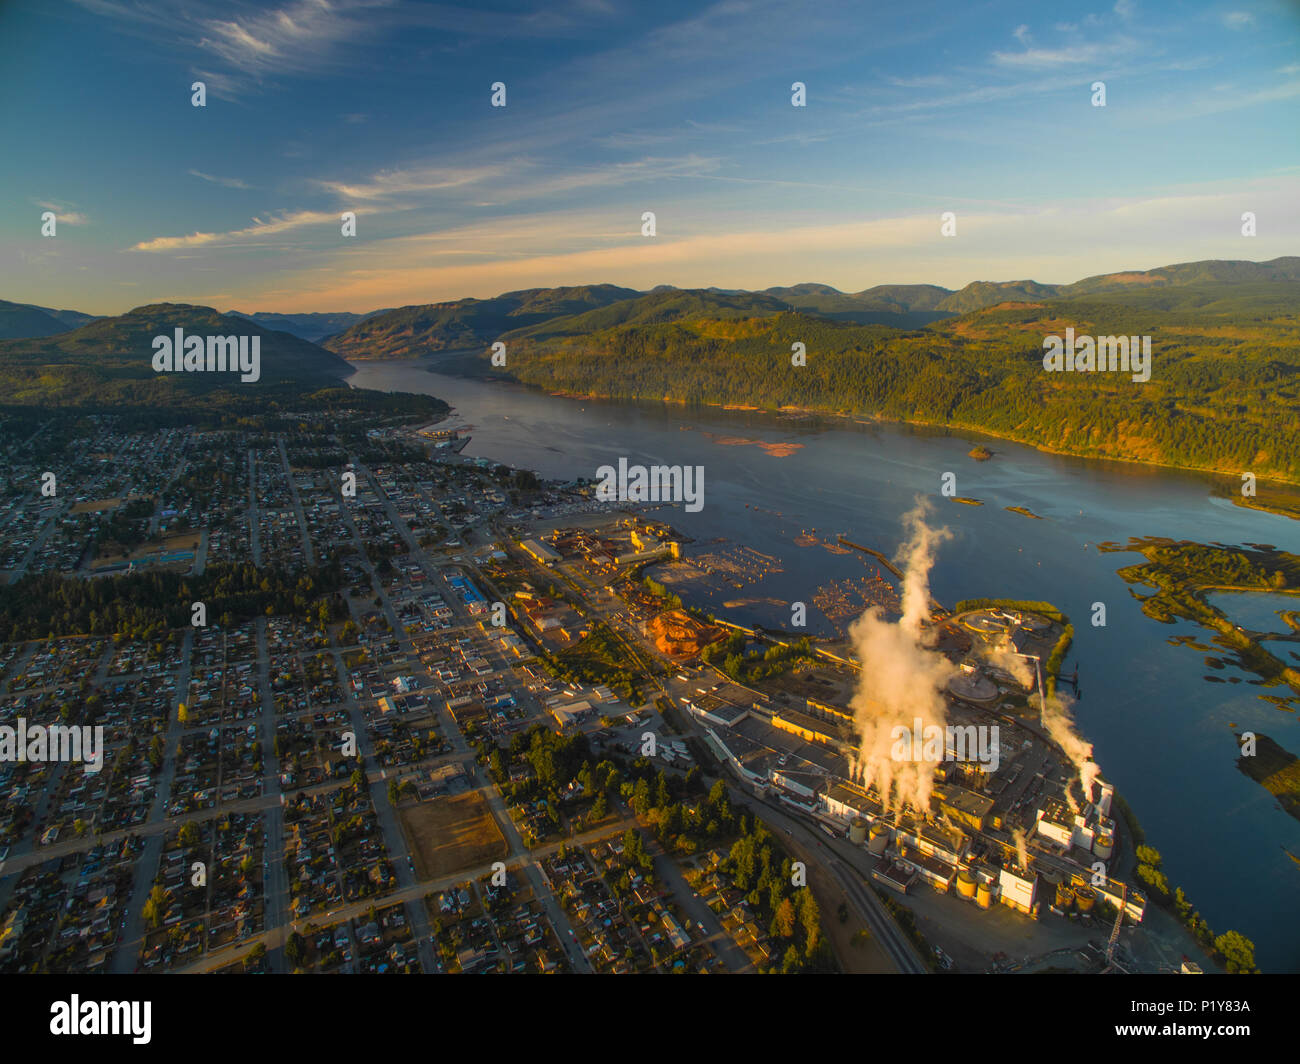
{"type": "Point", "coordinates": [447, 835]}
{"type": "Point", "coordinates": [180, 541]}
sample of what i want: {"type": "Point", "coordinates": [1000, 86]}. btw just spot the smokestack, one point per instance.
{"type": "Point", "coordinates": [1022, 849]}
{"type": "Point", "coordinates": [1060, 725]}
{"type": "Point", "coordinates": [900, 682]}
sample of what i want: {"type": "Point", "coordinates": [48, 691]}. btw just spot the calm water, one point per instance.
{"type": "Point", "coordinates": [1256, 612]}
{"type": "Point", "coordinates": [1160, 730]}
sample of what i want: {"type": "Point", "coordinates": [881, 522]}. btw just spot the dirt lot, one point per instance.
{"type": "Point", "coordinates": [94, 506]}
{"type": "Point", "coordinates": [447, 835]}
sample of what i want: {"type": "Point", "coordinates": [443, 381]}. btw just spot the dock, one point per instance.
{"type": "Point", "coordinates": [844, 541]}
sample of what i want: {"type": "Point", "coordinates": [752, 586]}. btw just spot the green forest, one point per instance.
{"type": "Point", "coordinates": [146, 605]}
{"type": "Point", "coordinates": [1222, 395]}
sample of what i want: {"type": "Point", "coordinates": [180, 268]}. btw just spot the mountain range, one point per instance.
{"type": "Point", "coordinates": [409, 332]}
{"type": "Point", "coordinates": [1223, 393]}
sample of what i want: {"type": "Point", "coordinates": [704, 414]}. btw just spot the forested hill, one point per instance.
{"type": "Point", "coordinates": [417, 330]}
{"type": "Point", "coordinates": [109, 361]}
{"type": "Point", "coordinates": [1224, 392]}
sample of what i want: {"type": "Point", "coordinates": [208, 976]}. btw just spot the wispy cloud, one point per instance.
{"type": "Point", "coordinates": [255, 43]}
{"type": "Point", "coordinates": [390, 185]}
{"type": "Point", "coordinates": [297, 38]}
{"type": "Point", "coordinates": [1075, 54]}
{"type": "Point", "coordinates": [1238, 20]}
{"type": "Point", "coordinates": [514, 181]}
{"type": "Point", "coordinates": [919, 81]}
{"type": "Point", "coordinates": [225, 182]}
{"type": "Point", "coordinates": [260, 229]}
{"type": "Point", "coordinates": [65, 213]}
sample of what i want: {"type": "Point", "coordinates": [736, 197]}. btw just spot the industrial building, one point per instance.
{"type": "Point", "coordinates": [540, 551]}
{"type": "Point", "coordinates": [1067, 828]}
{"type": "Point", "coordinates": [965, 806]}
{"type": "Point", "coordinates": [809, 728]}
{"type": "Point", "coordinates": [1018, 889]}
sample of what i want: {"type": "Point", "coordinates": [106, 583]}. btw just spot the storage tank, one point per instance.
{"type": "Point", "coordinates": [1103, 846]}
{"type": "Point", "coordinates": [965, 884]}
{"type": "Point", "coordinates": [879, 839]}
{"type": "Point", "coordinates": [858, 831]}
{"type": "Point", "coordinates": [1064, 896]}
{"type": "Point", "coordinates": [1085, 898]}
{"type": "Point", "coordinates": [984, 895]}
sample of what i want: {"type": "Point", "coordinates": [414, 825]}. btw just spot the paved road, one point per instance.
{"type": "Point", "coordinates": [47, 527]}
{"type": "Point", "coordinates": [275, 886]}
{"type": "Point", "coordinates": [127, 954]}
{"type": "Point", "coordinates": [670, 875]}
{"type": "Point", "coordinates": [309, 554]}
{"type": "Point", "coordinates": [414, 893]}
{"type": "Point", "coordinates": [254, 538]}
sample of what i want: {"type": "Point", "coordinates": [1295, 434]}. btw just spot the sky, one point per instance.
{"type": "Point", "coordinates": [618, 107]}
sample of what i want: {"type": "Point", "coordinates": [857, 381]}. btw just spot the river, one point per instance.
{"type": "Point", "coordinates": [1161, 731]}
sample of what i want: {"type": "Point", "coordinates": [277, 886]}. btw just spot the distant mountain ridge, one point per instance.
{"type": "Point", "coordinates": [406, 332]}
{"type": "Point", "coordinates": [312, 327]}
{"type": "Point", "coordinates": [26, 319]}
{"type": "Point", "coordinates": [110, 359]}
{"type": "Point", "coordinates": [421, 329]}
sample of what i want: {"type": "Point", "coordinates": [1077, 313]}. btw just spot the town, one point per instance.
{"type": "Point", "coordinates": [459, 720]}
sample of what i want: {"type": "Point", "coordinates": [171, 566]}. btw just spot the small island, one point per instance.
{"type": "Point", "coordinates": [1025, 512]}
{"type": "Point", "coordinates": [980, 453]}
{"type": "Point", "coordinates": [1182, 572]}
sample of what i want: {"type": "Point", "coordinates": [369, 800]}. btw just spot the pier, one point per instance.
{"type": "Point", "coordinates": [843, 540]}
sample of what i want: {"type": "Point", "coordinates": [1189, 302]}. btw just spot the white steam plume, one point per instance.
{"type": "Point", "coordinates": [900, 681]}
{"type": "Point", "coordinates": [1059, 723]}
{"type": "Point", "coordinates": [1022, 849]}
{"type": "Point", "coordinates": [1004, 656]}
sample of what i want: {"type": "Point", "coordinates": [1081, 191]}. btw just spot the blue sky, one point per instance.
{"type": "Point", "coordinates": [614, 108]}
